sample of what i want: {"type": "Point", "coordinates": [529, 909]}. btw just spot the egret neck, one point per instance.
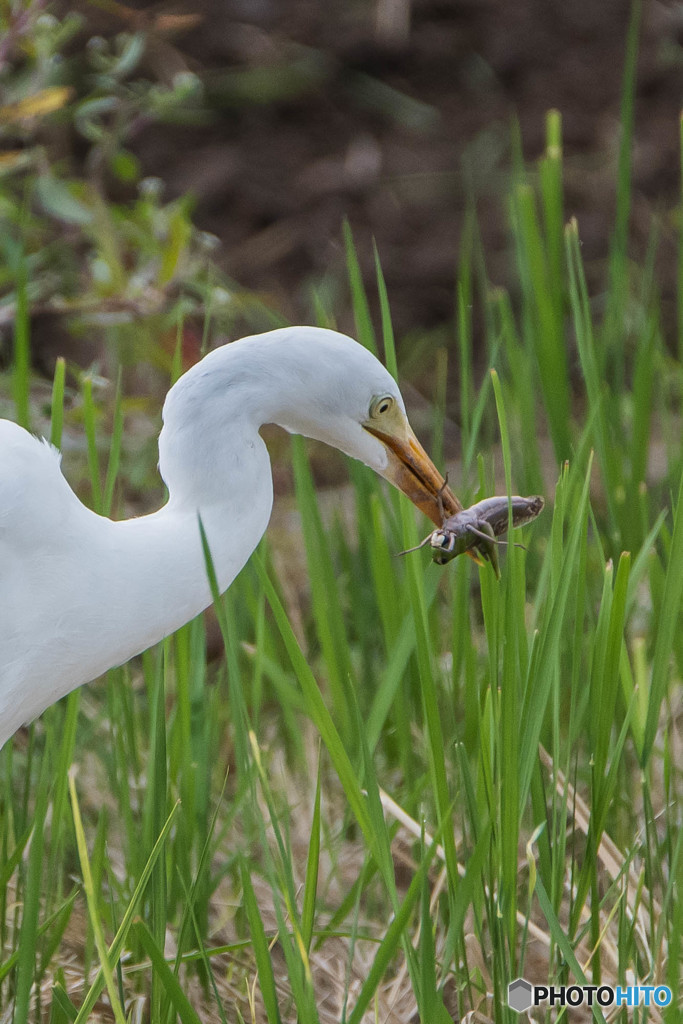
{"type": "Point", "coordinates": [80, 593]}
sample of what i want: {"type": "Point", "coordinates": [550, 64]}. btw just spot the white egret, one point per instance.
{"type": "Point", "coordinates": [80, 593]}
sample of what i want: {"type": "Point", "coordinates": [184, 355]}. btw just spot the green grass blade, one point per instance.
{"type": "Point", "coordinates": [91, 901]}
{"type": "Point", "coordinates": [395, 670]}
{"type": "Point", "coordinates": [177, 998]}
{"type": "Point", "coordinates": [547, 334]}
{"type": "Point", "coordinates": [560, 938]}
{"type": "Point", "coordinates": [116, 948]}
{"type": "Point", "coordinates": [361, 310]}
{"type": "Point", "coordinates": [430, 703]}
{"type": "Point", "coordinates": [605, 697]}
{"type": "Point", "coordinates": [318, 713]}
{"type": "Point", "coordinates": [57, 403]}
{"type": "Point", "coordinates": [238, 702]}
{"type": "Point", "coordinates": [260, 947]}
{"type": "Point", "coordinates": [298, 966]}
{"type": "Point", "coordinates": [27, 953]}
{"type": "Point", "coordinates": [545, 655]}
{"type": "Point", "coordinates": [668, 622]}
{"type": "Point", "coordinates": [391, 942]}
{"type": "Point", "coordinates": [326, 599]}
{"type": "Point", "coordinates": [62, 1008]}
{"type": "Point", "coordinates": [387, 327]}
{"type": "Point", "coordinates": [550, 171]}
{"type": "Point", "coordinates": [312, 872]}
{"type": "Point", "coordinates": [598, 396]}
{"type": "Point", "coordinates": [114, 452]}
{"type": "Point", "coordinates": [90, 423]}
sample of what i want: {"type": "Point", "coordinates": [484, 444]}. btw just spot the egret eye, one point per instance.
{"type": "Point", "coordinates": [381, 406]}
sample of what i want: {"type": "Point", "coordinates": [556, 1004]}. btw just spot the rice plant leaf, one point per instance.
{"type": "Point", "coordinates": [387, 327]}
{"type": "Point", "coordinates": [396, 667]}
{"type": "Point", "coordinates": [114, 451]}
{"type": "Point", "coordinates": [296, 958]}
{"type": "Point", "coordinates": [393, 937]}
{"type": "Point", "coordinates": [57, 403]}
{"type": "Point", "coordinates": [91, 901]}
{"type": "Point", "coordinates": [61, 999]}
{"type": "Point", "coordinates": [117, 945]}
{"type": "Point", "coordinates": [90, 423]}
{"type": "Point", "coordinates": [260, 947]}
{"type": "Point", "coordinates": [27, 952]}
{"type": "Point", "coordinates": [560, 938]}
{"type": "Point", "coordinates": [326, 598]}
{"type": "Point", "coordinates": [669, 620]}
{"type": "Point", "coordinates": [312, 867]}
{"type": "Point", "coordinates": [546, 649]}
{"type": "Point", "coordinates": [8, 866]}
{"type": "Point", "coordinates": [317, 711]}
{"type": "Point", "coordinates": [177, 998]}
{"type": "Point", "coordinates": [605, 705]}
{"type": "Point", "coordinates": [359, 299]}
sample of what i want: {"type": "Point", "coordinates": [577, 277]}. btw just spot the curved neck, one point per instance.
{"type": "Point", "coordinates": [156, 568]}
{"type": "Point", "coordinates": [116, 588]}
{"type": "Point", "coordinates": [174, 587]}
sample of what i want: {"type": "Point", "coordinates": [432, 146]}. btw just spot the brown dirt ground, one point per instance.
{"type": "Point", "coordinates": [398, 131]}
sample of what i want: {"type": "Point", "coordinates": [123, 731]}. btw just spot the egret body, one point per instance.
{"type": "Point", "coordinates": [80, 593]}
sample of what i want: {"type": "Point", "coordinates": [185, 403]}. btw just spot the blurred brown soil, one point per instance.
{"type": "Point", "coordinates": [318, 113]}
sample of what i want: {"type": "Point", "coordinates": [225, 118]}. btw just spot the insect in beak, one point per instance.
{"type": "Point", "coordinates": [476, 530]}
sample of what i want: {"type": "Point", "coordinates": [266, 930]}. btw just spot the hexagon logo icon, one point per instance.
{"type": "Point", "coordinates": [520, 994]}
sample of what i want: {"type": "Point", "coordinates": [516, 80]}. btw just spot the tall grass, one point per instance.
{"type": "Point", "coordinates": [407, 786]}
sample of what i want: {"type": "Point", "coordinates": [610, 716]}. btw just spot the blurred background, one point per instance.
{"type": "Point", "coordinates": [246, 132]}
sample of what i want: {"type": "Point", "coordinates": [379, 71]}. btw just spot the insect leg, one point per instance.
{"type": "Point", "coordinates": [439, 498]}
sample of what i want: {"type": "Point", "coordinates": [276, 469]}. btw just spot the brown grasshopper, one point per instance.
{"type": "Point", "coordinates": [475, 530]}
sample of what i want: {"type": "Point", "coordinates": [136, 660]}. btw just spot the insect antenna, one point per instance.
{"type": "Point", "coordinates": [417, 546]}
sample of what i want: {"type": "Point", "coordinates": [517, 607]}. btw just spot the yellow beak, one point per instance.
{"type": "Point", "coordinates": [410, 468]}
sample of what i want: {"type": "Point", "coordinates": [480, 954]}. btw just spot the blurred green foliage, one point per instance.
{"type": "Point", "coordinates": [97, 242]}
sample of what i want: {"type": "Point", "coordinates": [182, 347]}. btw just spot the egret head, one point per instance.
{"type": "Point", "coordinates": [310, 381]}
{"type": "Point", "coordinates": [346, 398]}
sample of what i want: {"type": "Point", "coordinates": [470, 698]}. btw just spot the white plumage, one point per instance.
{"type": "Point", "coordinates": [80, 593]}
